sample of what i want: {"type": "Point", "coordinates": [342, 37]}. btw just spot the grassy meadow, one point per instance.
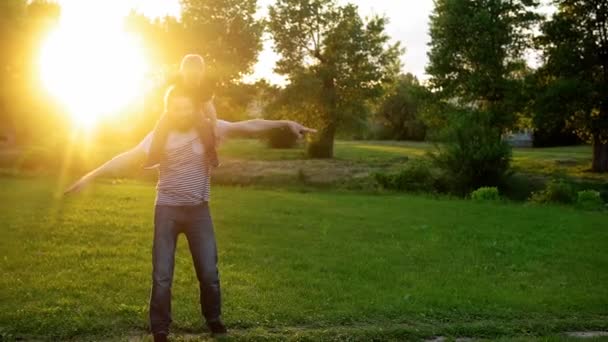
{"type": "Point", "coordinates": [303, 265]}
{"type": "Point", "coordinates": [301, 256]}
{"type": "Point", "coordinates": [249, 162]}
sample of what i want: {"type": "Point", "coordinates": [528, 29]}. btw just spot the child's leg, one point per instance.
{"type": "Point", "coordinates": [159, 139]}
{"type": "Point", "coordinates": [207, 134]}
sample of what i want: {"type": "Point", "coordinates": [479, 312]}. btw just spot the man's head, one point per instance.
{"type": "Point", "coordinates": [192, 70]}
{"type": "Point", "coordinates": [180, 109]}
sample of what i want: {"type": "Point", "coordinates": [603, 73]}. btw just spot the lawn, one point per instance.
{"type": "Point", "coordinates": [312, 266]}
{"type": "Point", "coordinates": [251, 162]}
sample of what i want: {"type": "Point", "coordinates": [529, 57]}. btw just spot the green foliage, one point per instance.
{"type": "Point", "coordinates": [575, 75]}
{"type": "Point", "coordinates": [552, 104]}
{"type": "Point", "coordinates": [23, 26]}
{"type": "Point", "coordinates": [416, 176]}
{"type": "Point", "coordinates": [281, 138]}
{"type": "Point", "coordinates": [520, 186]}
{"type": "Point", "coordinates": [477, 52]}
{"type": "Point", "coordinates": [485, 194]}
{"type": "Point", "coordinates": [400, 111]}
{"type": "Point", "coordinates": [474, 154]}
{"type": "Point", "coordinates": [227, 33]}
{"type": "Point", "coordinates": [589, 200]}
{"type": "Point", "coordinates": [556, 191]}
{"type": "Point", "coordinates": [337, 62]}
{"type": "Point", "coordinates": [233, 101]}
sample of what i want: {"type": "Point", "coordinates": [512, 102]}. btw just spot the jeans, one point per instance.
{"type": "Point", "coordinates": [195, 222]}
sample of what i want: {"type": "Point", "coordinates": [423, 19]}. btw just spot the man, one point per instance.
{"type": "Point", "coordinates": [182, 198]}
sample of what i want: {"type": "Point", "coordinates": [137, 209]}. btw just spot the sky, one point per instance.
{"type": "Point", "coordinates": [408, 23]}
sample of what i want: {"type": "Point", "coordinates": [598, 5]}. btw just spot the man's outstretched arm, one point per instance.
{"type": "Point", "coordinates": [254, 127]}
{"type": "Point", "coordinates": [119, 162]}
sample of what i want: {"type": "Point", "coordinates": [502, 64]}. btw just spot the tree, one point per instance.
{"type": "Point", "coordinates": [476, 55]}
{"type": "Point", "coordinates": [23, 25]}
{"type": "Point", "coordinates": [549, 106]}
{"type": "Point", "coordinates": [401, 109]}
{"type": "Point", "coordinates": [12, 15]}
{"type": "Point", "coordinates": [226, 33]}
{"type": "Point", "coordinates": [336, 63]}
{"type": "Point", "coordinates": [575, 47]}
{"type": "Point", "coordinates": [163, 38]}
{"type": "Point", "coordinates": [478, 72]}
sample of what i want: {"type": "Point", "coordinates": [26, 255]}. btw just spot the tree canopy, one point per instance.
{"type": "Point", "coordinates": [575, 73]}
{"type": "Point", "coordinates": [334, 56]}
{"type": "Point", "coordinates": [477, 51]}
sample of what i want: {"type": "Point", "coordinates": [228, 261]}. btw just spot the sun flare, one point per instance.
{"type": "Point", "coordinates": [92, 69]}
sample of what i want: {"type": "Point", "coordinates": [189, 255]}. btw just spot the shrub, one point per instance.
{"type": "Point", "coordinates": [556, 192]}
{"type": "Point", "coordinates": [417, 176]}
{"type": "Point", "coordinates": [520, 187]}
{"type": "Point", "coordinates": [474, 154]}
{"type": "Point", "coordinates": [485, 194]}
{"type": "Point", "coordinates": [589, 200]}
{"type": "Point", "coordinates": [281, 138]}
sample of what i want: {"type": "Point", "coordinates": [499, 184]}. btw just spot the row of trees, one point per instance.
{"type": "Point", "coordinates": [337, 63]}
{"type": "Point", "coordinates": [477, 64]}
{"type": "Point", "coordinates": [23, 25]}
{"type": "Point", "coordinates": [344, 72]}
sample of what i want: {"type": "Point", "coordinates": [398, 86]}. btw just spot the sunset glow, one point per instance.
{"type": "Point", "coordinates": [92, 77]}
{"type": "Point", "coordinates": [90, 64]}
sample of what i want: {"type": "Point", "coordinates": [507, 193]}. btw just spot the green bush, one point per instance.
{"type": "Point", "coordinates": [417, 176]}
{"type": "Point", "coordinates": [485, 194]}
{"type": "Point", "coordinates": [519, 187]}
{"type": "Point", "coordinates": [557, 191]}
{"type": "Point", "coordinates": [281, 138]}
{"type": "Point", "coordinates": [474, 154]}
{"type": "Point", "coordinates": [589, 200]}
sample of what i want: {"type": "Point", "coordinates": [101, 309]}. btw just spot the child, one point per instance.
{"type": "Point", "coordinates": [191, 83]}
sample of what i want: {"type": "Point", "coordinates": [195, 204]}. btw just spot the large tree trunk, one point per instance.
{"type": "Point", "coordinates": [323, 144]}
{"type": "Point", "coordinates": [600, 155]}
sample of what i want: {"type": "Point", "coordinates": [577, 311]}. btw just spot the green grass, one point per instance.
{"type": "Point", "coordinates": [367, 151]}
{"type": "Point", "coordinates": [572, 161]}
{"type": "Point", "coordinates": [304, 265]}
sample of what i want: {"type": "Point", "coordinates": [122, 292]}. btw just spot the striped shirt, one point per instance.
{"type": "Point", "coordinates": [183, 173]}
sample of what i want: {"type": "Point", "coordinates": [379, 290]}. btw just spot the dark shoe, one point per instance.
{"type": "Point", "coordinates": [217, 328]}
{"type": "Point", "coordinates": [160, 338]}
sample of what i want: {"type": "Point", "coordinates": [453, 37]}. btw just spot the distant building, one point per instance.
{"type": "Point", "coordinates": [523, 138]}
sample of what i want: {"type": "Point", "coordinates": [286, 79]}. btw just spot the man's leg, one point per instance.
{"type": "Point", "coordinates": [201, 240]}
{"type": "Point", "coordinates": [163, 262]}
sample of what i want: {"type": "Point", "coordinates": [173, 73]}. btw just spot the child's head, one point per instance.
{"type": "Point", "coordinates": [180, 109]}
{"type": "Point", "coordinates": [192, 70]}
